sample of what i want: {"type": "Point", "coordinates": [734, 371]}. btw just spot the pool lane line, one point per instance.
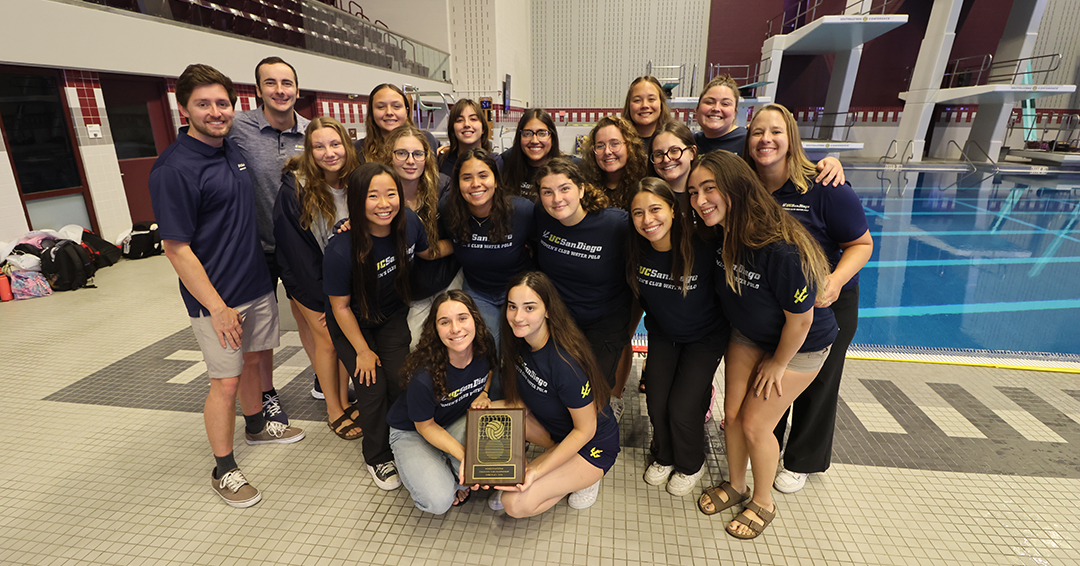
{"type": "Point", "coordinates": [879, 264]}
{"type": "Point", "coordinates": [974, 308]}
{"type": "Point", "coordinates": [959, 363]}
{"type": "Point", "coordinates": [975, 233]}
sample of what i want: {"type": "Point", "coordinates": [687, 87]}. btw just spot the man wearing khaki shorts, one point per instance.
{"type": "Point", "coordinates": [205, 208]}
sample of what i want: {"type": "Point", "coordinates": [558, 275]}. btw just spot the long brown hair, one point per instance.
{"type": "Point", "coordinates": [682, 238]}
{"type": "Point", "coordinates": [665, 111]}
{"type": "Point", "coordinates": [455, 112]}
{"type": "Point", "coordinates": [311, 190]}
{"type": "Point", "coordinates": [365, 274]}
{"type": "Point", "coordinates": [801, 171]}
{"type": "Point", "coordinates": [754, 220]}
{"type": "Point", "coordinates": [427, 190]}
{"type": "Point", "coordinates": [637, 164]}
{"type": "Point", "coordinates": [431, 354]}
{"type": "Point", "coordinates": [561, 328]}
{"type": "Point", "coordinates": [593, 199]}
{"type": "Point", "coordinates": [374, 137]}
{"type": "Point", "coordinates": [458, 217]}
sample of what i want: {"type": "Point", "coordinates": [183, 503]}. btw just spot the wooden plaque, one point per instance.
{"type": "Point", "coordinates": [495, 447]}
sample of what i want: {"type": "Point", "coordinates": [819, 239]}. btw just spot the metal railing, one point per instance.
{"type": "Point", "coordinates": [826, 124]}
{"type": "Point", "coordinates": [983, 70]}
{"type": "Point", "coordinates": [781, 24]}
{"type": "Point", "coordinates": [1067, 126]}
{"type": "Point", "coordinates": [966, 71]}
{"type": "Point", "coordinates": [678, 81]}
{"type": "Point", "coordinates": [742, 74]}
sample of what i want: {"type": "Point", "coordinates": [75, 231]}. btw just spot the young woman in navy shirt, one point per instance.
{"type": "Point", "coordinates": [447, 373]}
{"type": "Point", "coordinates": [366, 277]}
{"type": "Point", "coordinates": [467, 129]}
{"type": "Point", "coordinates": [550, 371]}
{"type": "Point", "coordinates": [490, 231]}
{"type": "Point", "coordinates": [770, 269]}
{"type": "Point", "coordinates": [646, 107]}
{"type": "Point", "coordinates": [535, 142]}
{"type": "Point", "coordinates": [614, 159]}
{"type": "Point", "coordinates": [717, 109]}
{"type": "Point", "coordinates": [310, 202]}
{"type": "Point", "coordinates": [414, 163]}
{"type": "Point", "coordinates": [835, 218]}
{"type": "Point", "coordinates": [671, 271]}
{"type": "Point", "coordinates": [581, 246]}
{"type": "Point", "coordinates": [673, 151]}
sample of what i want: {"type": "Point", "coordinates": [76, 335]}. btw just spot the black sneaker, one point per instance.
{"type": "Point", "coordinates": [385, 475]}
{"type": "Point", "coordinates": [272, 409]}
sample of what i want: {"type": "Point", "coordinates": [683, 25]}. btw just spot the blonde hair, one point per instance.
{"type": "Point", "coordinates": [799, 167]}
{"type": "Point", "coordinates": [427, 190]}
{"type": "Point", "coordinates": [311, 190]}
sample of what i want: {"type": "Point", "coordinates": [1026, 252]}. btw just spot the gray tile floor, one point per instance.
{"type": "Point", "coordinates": [107, 462]}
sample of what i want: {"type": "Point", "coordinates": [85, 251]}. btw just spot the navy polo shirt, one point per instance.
{"type": "Point", "coordinates": [832, 215]}
{"type": "Point", "coordinates": [683, 319]}
{"type": "Point", "coordinates": [733, 141]}
{"type": "Point", "coordinates": [265, 150]}
{"type": "Point", "coordinates": [488, 266]}
{"type": "Point", "coordinates": [586, 261]}
{"type": "Point", "coordinates": [772, 282]}
{"type": "Point", "coordinates": [203, 195]}
{"type": "Point", "coordinates": [551, 383]}
{"type": "Point", "coordinates": [338, 261]}
{"type": "Point", "coordinates": [419, 403]}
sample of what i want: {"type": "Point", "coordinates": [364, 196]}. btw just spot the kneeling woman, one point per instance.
{"type": "Point", "coordinates": [557, 381]}
{"type": "Point", "coordinates": [447, 373]}
{"type": "Point", "coordinates": [671, 271]}
{"type": "Point", "coordinates": [770, 270]}
{"type": "Point", "coordinates": [366, 278]}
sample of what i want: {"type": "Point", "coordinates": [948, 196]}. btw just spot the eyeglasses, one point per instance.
{"type": "Point", "coordinates": [613, 145]}
{"type": "Point", "coordinates": [403, 154]}
{"type": "Point", "coordinates": [542, 134]}
{"type": "Point", "coordinates": [672, 153]}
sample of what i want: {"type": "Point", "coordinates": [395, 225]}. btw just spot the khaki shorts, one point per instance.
{"type": "Point", "coordinates": [803, 362]}
{"type": "Point", "coordinates": [261, 332]}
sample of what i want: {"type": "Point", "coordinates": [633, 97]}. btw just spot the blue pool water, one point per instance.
{"type": "Point", "coordinates": [971, 261]}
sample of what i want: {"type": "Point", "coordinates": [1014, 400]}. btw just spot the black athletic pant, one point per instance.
{"type": "Point", "coordinates": [607, 337]}
{"type": "Point", "coordinates": [390, 341]}
{"type": "Point", "coordinates": [813, 414]}
{"type": "Point", "coordinates": [680, 376]}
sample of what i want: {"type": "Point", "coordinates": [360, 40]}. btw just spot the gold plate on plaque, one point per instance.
{"type": "Point", "coordinates": [495, 447]}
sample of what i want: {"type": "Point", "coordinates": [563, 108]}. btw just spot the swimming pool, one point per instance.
{"type": "Point", "coordinates": [977, 261]}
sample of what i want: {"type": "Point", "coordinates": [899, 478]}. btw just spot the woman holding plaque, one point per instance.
{"type": "Point", "coordinates": [447, 373]}
{"type": "Point", "coordinates": [551, 372]}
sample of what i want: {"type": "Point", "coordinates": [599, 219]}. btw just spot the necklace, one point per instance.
{"type": "Point", "coordinates": [480, 222]}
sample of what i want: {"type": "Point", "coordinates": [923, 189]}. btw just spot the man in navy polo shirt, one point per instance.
{"type": "Point", "coordinates": [205, 207]}
{"type": "Point", "coordinates": [267, 137]}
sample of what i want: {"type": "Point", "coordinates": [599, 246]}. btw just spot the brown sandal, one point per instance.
{"type": "Point", "coordinates": [756, 526]}
{"type": "Point", "coordinates": [351, 432]}
{"type": "Point", "coordinates": [733, 498]}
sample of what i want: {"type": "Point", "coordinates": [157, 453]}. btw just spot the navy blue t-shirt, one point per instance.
{"type": "Point", "coordinates": [683, 319]}
{"type": "Point", "coordinates": [337, 266]}
{"type": "Point", "coordinates": [832, 215]}
{"type": "Point", "coordinates": [488, 266]}
{"type": "Point", "coordinates": [772, 282]}
{"type": "Point", "coordinates": [733, 141]}
{"type": "Point", "coordinates": [419, 403]}
{"type": "Point", "coordinates": [203, 195]}
{"type": "Point", "coordinates": [586, 261]}
{"type": "Point", "coordinates": [551, 383]}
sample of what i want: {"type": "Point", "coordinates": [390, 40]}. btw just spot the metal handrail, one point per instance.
{"type": "Point", "coordinates": [810, 9]}
{"type": "Point", "coordinates": [884, 159]}
{"type": "Point", "coordinates": [1006, 77]}
{"type": "Point", "coordinates": [846, 125]}
{"type": "Point", "coordinates": [948, 80]}
{"type": "Point", "coordinates": [869, 10]}
{"type": "Point", "coordinates": [980, 148]}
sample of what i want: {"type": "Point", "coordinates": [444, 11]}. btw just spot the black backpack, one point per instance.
{"type": "Point", "coordinates": [100, 251]}
{"type": "Point", "coordinates": [67, 266]}
{"type": "Point", "coordinates": [144, 241]}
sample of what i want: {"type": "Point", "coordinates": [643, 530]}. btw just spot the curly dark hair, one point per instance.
{"type": "Point", "coordinates": [593, 199]}
{"type": "Point", "coordinates": [430, 353]}
{"type": "Point", "coordinates": [458, 217]}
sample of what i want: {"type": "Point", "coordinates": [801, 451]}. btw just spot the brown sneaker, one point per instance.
{"type": "Point", "coordinates": [234, 488]}
{"type": "Point", "coordinates": [275, 433]}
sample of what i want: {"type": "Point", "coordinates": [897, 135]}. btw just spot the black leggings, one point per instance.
{"type": "Point", "coordinates": [390, 341]}
{"type": "Point", "coordinates": [680, 376]}
{"type": "Point", "coordinates": [607, 337]}
{"type": "Point", "coordinates": [813, 414]}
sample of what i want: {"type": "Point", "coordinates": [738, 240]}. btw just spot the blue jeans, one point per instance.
{"type": "Point", "coordinates": [430, 475]}
{"type": "Point", "coordinates": [492, 312]}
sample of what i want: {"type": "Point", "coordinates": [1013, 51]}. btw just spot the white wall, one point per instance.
{"type": "Point", "coordinates": [79, 35]}
{"type": "Point", "coordinates": [513, 55]}
{"type": "Point", "coordinates": [585, 54]}
{"type": "Point", "coordinates": [12, 219]}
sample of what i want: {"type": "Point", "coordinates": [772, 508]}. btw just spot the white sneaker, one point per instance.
{"type": "Point", "coordinates": [788, 481]}
{"type": "Point", "coordinates": [385, 475]}
{"type": "Point", "coordinates": [681, 484]}
{"type": "Point", "coordinates": [616, 407]}
{"type": "Point", "coordinates": [657, 474]}
{"type": "Point", "coordinates": [584, 498]}
{"type": "Point", "coordinates": [495, 501]}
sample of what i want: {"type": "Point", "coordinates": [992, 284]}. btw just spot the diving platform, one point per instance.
{"type": "Point", "coordinates": [1047, 157]}
{"type": "Point", "coordinates": [830, 34]}
{"type": "Point", "coordinates": [989, 94]}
